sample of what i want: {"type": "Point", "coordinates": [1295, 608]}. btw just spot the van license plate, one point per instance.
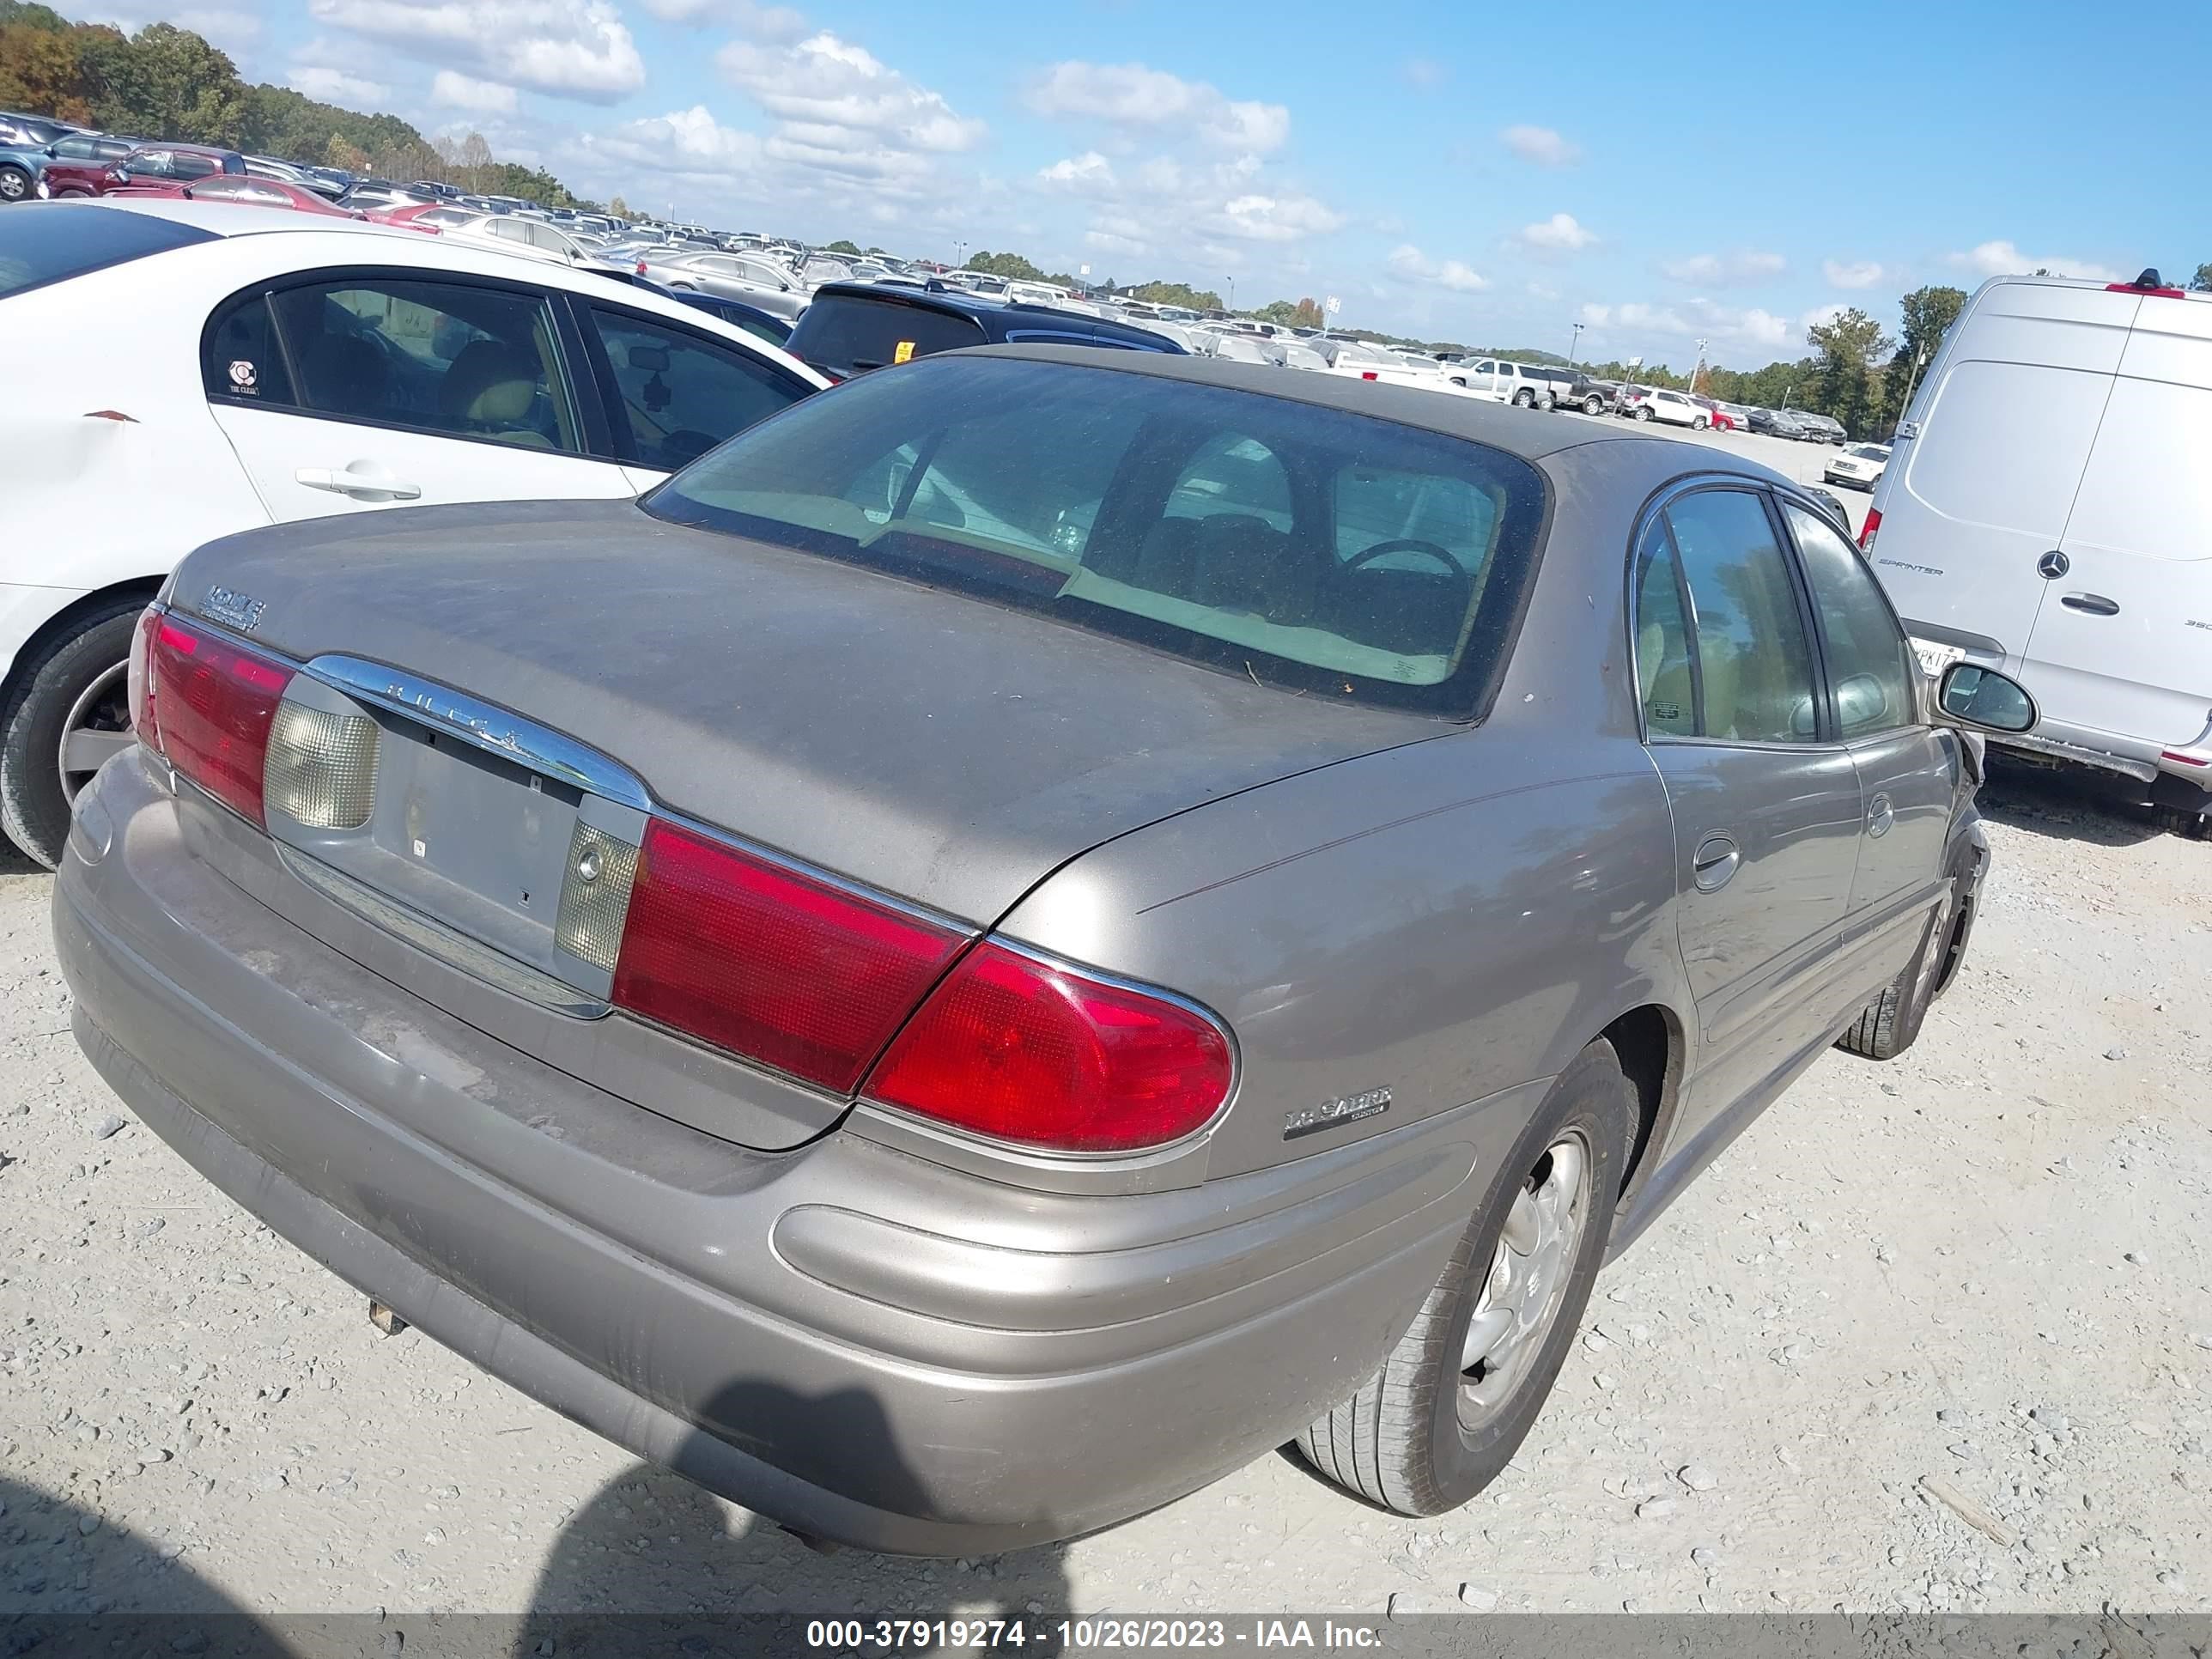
{"type": "Point", "coordinates": [1934, 659]}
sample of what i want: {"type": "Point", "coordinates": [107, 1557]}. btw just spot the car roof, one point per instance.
{"type": "Point", "coordinates": [986, 309]}
{"type": "Point", "coordinates": [1493, 425]}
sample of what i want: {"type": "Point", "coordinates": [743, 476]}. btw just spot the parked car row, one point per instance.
{"type": "Point", "coordinates": [695, 952]}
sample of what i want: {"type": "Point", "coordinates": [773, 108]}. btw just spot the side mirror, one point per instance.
{"type": "Point", "coordinates": [1971, 695]}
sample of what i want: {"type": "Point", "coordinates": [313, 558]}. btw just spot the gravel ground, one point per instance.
{"type": "Point", "coordinates": [1985, 1266]}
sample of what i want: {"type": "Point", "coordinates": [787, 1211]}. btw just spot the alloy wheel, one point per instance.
{"type": "Point", "coordinates": [1526, 1285]}
{"type": "Point", "coordinates": [98, 725]}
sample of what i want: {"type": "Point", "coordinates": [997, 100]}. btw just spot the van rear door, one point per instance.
{"type": "Point", "coordinates": [2122, 643]}
{"type": "Point", "coordinates": [1983, 491]}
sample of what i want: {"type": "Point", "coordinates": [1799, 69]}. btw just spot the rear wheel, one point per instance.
{"type": "Point", "coordinates": [1593, 405]}
{"type": "Point", "coordinates": [14, 183]}
{"type": "Point", "coordinates": [1457, 1395]}
{"type": "Point", "coordinates": [1524, 399]}
{"type": "Point", "coordinates": [1701, 423]}
{"type": "Point", "coordinates": [2196, 826]}
{"type": "Point", "coordinates": [1644, 412]}
{"type": "Point", "coordinates": [67, 712]}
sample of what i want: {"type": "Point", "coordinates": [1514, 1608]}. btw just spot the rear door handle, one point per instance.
{"type": "Point", "coordinates": [1714, 862]}
{"type": "Point", "coordinates": [2095, 604]}
{"type": "Point", "coordinates": [364, 483]}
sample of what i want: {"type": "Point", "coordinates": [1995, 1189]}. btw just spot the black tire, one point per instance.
{"type": "Point", "coordinates": [1701, 423]}
{"type": "Point", "coordinates": [1887, 1026]}
{"type": "Point", "coordinates": [1593, 405]}
{"type": "Point", "coordinates": [2194, 826]}
{"type": "Point", "coordinates": [1644, 411]}
{"type": "Point", "coordinates": [1400, 1442]}
{"type": "Point", "coordinates": [34, 809]}
{"type": "Point", "coordinates": [1524, 399]}
{"type": "Point", "coordinates": [15, 185]}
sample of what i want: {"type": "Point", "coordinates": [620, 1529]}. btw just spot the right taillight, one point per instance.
{"type": "Point", "coordinates": [211, 704]}
{"type": "Point", "coordinates": [1042, 1055]}
{"type": "Point", "coordinates": [1868, 530]}
{"type": "Point", "coordinates": [768, 962]}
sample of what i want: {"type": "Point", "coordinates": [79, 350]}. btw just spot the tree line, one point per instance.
{"type": "Point", "coordinates": [166, 82]}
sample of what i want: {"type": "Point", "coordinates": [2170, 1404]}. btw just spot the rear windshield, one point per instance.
{"type": "Point", "coordinates": [1307, 547]}
{"type": "Point", "coordinates": [847, 334]}
{"type": "Point", "coordinates": [43, 242]}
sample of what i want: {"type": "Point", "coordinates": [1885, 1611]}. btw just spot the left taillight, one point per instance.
{"type": "Point", "coordinates": [145, 720]}
{"type": "Point", "coordinates": [206, 705]}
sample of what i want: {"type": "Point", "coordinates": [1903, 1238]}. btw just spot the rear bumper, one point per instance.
{"type": "Point", "coordinates": [857, 1342]}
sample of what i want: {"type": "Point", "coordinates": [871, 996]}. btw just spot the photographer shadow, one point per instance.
{"type": "Point", "coordinates": [654, 1563]}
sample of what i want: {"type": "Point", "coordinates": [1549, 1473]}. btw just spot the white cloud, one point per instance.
{"type": "Point", "coordinates": [688, 142]}
{"type": "Point", "coordinates": [1851, 273]}
{"type": "Point", "coordinates": [1821, 316]}
{"type": "Point", "coordinates": [1089, 171]}
{"type": "Point", "coordinates": [225, 26]}
{"type": "Point", "coordinates": [1423, 74]}
{"type": "Point", "coordinates": [1744, 266]}
{"type": "Point", "coordinates": [829, 93]}
{"type": "Point", "coordinates": [457, 91]}
{"type": "Point", "coordinates": [570, 48]}
{"type": "Point", "coordinates": [1693, 319]}
{"type": "Point", "coordinates": [1410, 262]}
{"type": "Point", "coordinates": [1559, 234]}
{"type": "Point", "coordinates": [1134, 97]}
{"type": "Point", "coordinates": [1284, 218]}
{"type": "Point", "coordinates": [1541, 145]}
{"type": "Point", "coordinates": [2004, 259]}
{"type": "Point", "coordinates": [334, 86]}
{"type": "Point", "coordinates": [761, 22]}
{"type": "Point", "coordinates": [1538, 291]}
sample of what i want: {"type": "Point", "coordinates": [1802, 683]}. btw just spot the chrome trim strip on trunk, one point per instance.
{"type": "Point", "coordinates": [488, 726]}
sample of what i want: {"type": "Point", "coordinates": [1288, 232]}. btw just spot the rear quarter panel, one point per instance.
{"type": "Point", "coordinates": [1447, 920]}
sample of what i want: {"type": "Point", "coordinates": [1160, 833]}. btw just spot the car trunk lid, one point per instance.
{"type": "Point", "coordinates": [933, 748]}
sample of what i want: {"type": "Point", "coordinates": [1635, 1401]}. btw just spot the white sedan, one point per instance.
{"type": "Point", "coordinates": [249, 366]}
{"type": "Point", "coordinates": [1861, 465]}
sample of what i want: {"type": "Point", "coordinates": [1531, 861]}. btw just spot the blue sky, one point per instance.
{"type": "Point", "coordinates": [1491, 173]}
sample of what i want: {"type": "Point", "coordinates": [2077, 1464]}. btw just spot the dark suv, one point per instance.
{"type": "Point", "coordinates": [849, 328]}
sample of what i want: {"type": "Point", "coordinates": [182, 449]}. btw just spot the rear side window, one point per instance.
{"type": "Point", "coordinates": [1664, 676]}
{"type": "Point", "coordinates": [1309, 548]}
{"type": "Point", "coordinates": [1754, 660]}
{"type": "Point", "coordinates": [446, 359]}
{"type": "Point", "coordinates": [681, 395]}
{"type": "Point", "coordinates": [43, 242]}
{"type": "Point", "coordinates": [847, 334]}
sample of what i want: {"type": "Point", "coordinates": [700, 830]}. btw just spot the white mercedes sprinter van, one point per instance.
{"type": "Point", "coordinates": [2047, 509]}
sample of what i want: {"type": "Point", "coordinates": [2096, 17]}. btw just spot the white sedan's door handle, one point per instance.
{"type": "Point", "coordinates": [364, 481]}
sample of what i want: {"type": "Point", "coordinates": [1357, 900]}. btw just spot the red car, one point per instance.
{"type": "Point", "coordinates": [223, 187]}
{"type": "Point", "coordinates": [77, 164]}
{"type": "Point", "coordinates": [169, 164]}
{"type": "Point", "coordinates": [408, 216]}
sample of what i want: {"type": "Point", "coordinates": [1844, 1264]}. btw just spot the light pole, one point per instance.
{"type": "Point", "coordinates": [1911, 380]}
{"type": "Point", "coordinates": [1232, 293]}
{"type": "Point", "coordinates": [1574, 345]}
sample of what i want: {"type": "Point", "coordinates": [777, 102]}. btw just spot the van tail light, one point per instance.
{"type": "Point", "coordinates": [211, 704]}
{"type": "Point", "coordinates": [771, 964]}
{"type": "Point", "coordinates": [640, 267]}
{"type": "Point", "coordinates": [1369, 374]}
{"type": "Point", "coordinates": [1032, 1052]}
{"type": "Point", "coordinates": [1870, 530]}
